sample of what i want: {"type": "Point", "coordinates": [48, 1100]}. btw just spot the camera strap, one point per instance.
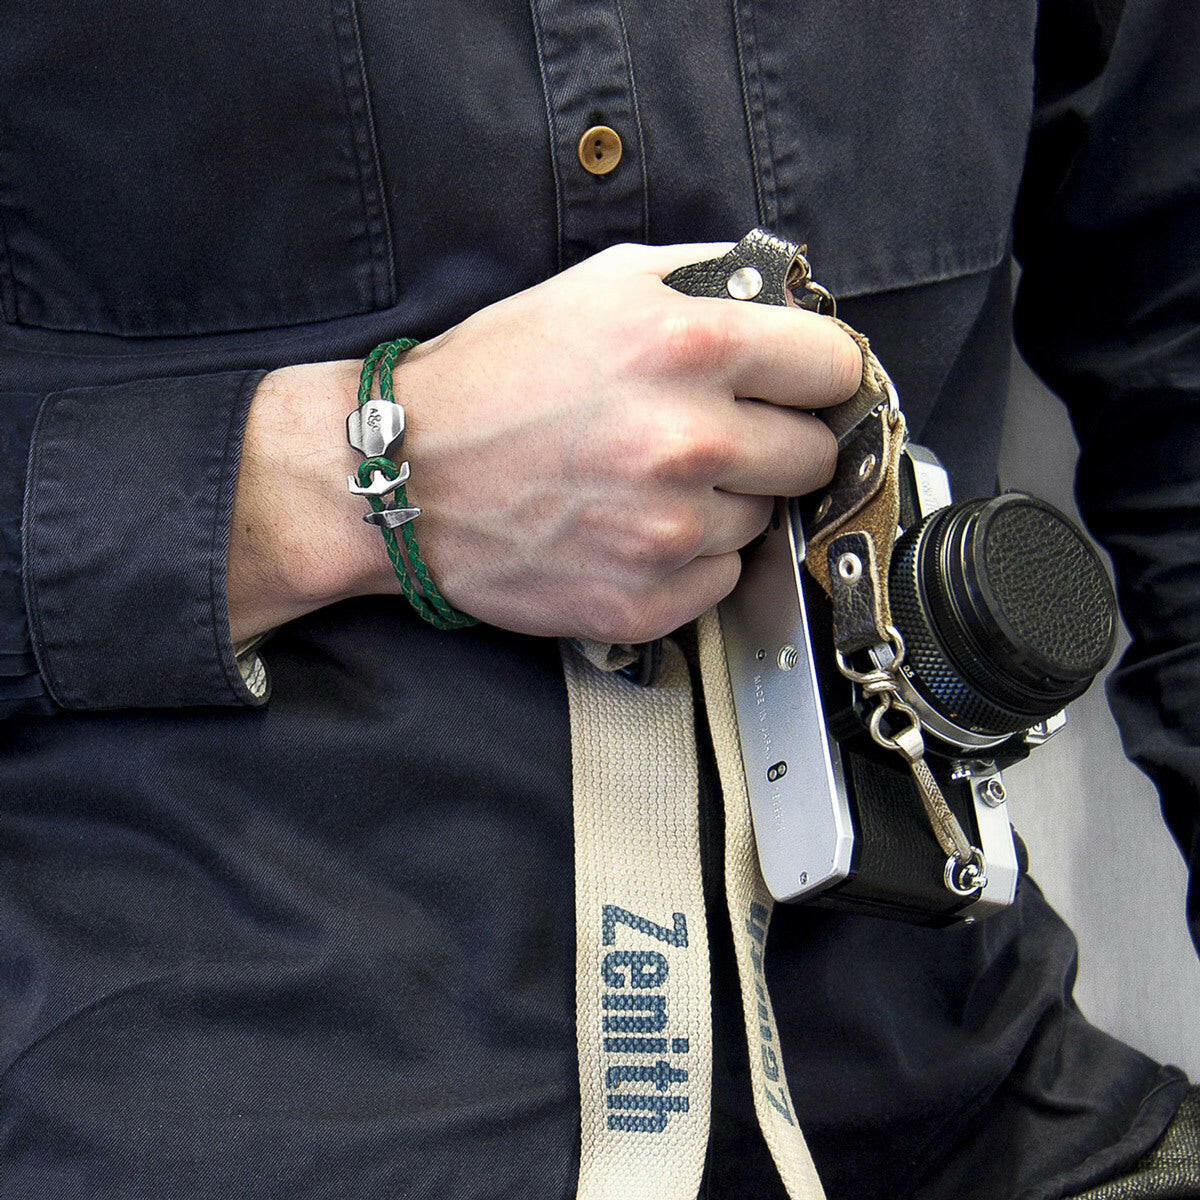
{"type": "Point", "coordinates": [851, 533]}
{"type": "Point", "coordinates": [643, 1019]}
{"type": "Point", "coordinates": [643, 993]}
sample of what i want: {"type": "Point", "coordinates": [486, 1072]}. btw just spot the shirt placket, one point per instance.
{"type": "Point", "coordinates": [595, 131]}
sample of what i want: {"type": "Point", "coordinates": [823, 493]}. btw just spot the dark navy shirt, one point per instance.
{"type": "Point", "coordinates": [322, 944]}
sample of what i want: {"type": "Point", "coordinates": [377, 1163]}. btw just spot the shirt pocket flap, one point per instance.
{"type": "Point", "coordinates": [188, 168]}
{"type": "Point", "coordinates": [889, 137]}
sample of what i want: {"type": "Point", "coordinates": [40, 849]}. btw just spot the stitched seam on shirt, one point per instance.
{"type": "Point", "coordinates": [222, 516]}
{"type": "Point", "coordinates": [339, 12]}
{"type": "Point", "coordinates": [637, 122]}
{"type": "Point", "coordinates": [8, 282]}
{"type": "Point", "coordinates": [373, 141]}
{"type": "Point", "coordinates": [553, 134]}
{"type": "Point", "coordinates": [8, 277]}
{"type": "Point", "coordinates": [32, 610]}
{"type": "Point", "coordinates": [741, 58]}
{"type": "Point", "coordinates": [768, 162]}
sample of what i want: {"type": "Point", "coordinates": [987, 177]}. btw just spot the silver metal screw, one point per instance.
{"type": "Point", "coordinates": [992, 793]}
{"type": "Point", "coordinates": [789, 656]}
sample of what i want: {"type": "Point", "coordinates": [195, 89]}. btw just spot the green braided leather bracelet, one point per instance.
{"type": "Point", "coordinates": [376, 430]}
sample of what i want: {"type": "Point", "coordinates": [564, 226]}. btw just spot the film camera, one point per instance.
{"type": "Point", "coordinates": [1000, 614]}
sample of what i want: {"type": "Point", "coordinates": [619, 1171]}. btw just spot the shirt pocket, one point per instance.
{"type": "Point", "coordinates": [889, 137]}
{"type": "Point", "coordinates": [184, 168]}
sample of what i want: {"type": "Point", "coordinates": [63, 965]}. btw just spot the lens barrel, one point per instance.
{"type": "Point", "coordinates": [1006, 610]}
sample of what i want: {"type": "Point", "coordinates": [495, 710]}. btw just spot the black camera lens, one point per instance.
{"type": "Point", "coordinates": [1006, 611]}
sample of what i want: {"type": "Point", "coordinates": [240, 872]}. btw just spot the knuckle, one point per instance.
{"type": "Point", "coordinates": [689, 448]}
{"type": "Point", "coordinates": [692, 341]}
{"type": "Point", "coordinates": [621, 616]}
{"type": "Point", "coordinates": [707, 454]}
{"type": "Point", "coordinates": [673, 536]}
{"type": "Point", "coordinates": [677, 443]}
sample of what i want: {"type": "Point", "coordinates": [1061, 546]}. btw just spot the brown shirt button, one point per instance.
{"type": "Point", "coordinates": [600, 149]}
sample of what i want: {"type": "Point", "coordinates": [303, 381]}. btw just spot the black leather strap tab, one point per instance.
{"type": "Point", "coordinates": [857, 602]}
{"type": "Point", "coordinates": [858, 476]}
{"type": "Point", "coordinates": [784, 278]}
{"type": "Point", "coordinates": [771, 256]}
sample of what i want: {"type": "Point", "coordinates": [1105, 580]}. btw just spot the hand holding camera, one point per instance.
{"type": "Point", "coordinates": [590, 466]}
{"type": "Point", "coordinates": [583, 461]}
{"type": "Point", "coordinates": [891, 651]}
{"type": "Point", "coordinates": [587, 467]}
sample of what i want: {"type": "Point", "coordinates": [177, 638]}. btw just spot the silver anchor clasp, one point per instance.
{"type": "Point", "coordinates": [380, 484]}
{"type": "Point", "coordinates": [376, 430]}
{"type": "Point", "coordinates": [391, 516]}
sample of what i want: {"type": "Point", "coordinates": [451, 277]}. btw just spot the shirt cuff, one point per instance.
{"type": "Point", "coordinates": [128, 501]}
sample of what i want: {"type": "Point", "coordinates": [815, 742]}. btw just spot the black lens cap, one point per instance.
{"type": "Point", "coordinates": [1023, 589]}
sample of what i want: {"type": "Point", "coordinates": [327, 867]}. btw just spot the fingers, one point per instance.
{"type": "Point", "coordinates": [662, 260]}
{"type": "Point", "coordinates": [787, 356]}
{"type": "Point", "coordinates": [775, 452]}
{"type": "Point", "coordinates": [731, 521]}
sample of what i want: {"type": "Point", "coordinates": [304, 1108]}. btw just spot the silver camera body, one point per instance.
{"type": "Point", "coordinates": [838, 823]}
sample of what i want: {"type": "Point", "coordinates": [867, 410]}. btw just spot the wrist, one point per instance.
{"type": "Point", "coordinates": [378, 432]}
{"type": "Point", "coordinates": [297, 540]}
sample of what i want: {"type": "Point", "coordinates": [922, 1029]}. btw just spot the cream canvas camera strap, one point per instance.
{"type": "Point", "coordinates": [643, 997]}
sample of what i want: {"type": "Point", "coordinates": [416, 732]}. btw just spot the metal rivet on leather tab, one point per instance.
{"type": "Point", "coordinates": [850, 567]}
{"type": "Point", "coordinates": [745, 283]}
{"type": "Point", "coordinates": [600, 150]}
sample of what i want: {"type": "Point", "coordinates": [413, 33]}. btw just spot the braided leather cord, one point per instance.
{"type": "Point", "coordinates": [415, 581]}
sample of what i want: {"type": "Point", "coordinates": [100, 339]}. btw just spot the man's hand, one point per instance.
{"type": "Point", "coordinates": [583, 453]}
